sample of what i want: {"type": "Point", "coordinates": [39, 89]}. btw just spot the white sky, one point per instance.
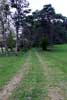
{"type": "Point", "coordinates": [59, 5]}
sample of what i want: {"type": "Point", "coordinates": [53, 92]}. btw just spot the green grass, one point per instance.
{"type": "Point", "coordinates": [36, 83]}
{"type": "Point", "coordinates": [9, 66]}
{"type": "Point", "coordinates": [33, 85]}
{"type": "Point", "coordinates": [58, 57]}
{"type": "Point", "coordinates": [57, 67]}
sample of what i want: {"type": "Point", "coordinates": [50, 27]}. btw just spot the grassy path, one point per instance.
{"type": "Point", "coordinates": [9, 66]}
{"type": "Point", "coordinates": [33, 86]}
{"type": "Point", "coordinates": [45, 79]}
{"type": "Point", "coordinates": [14, 82]}
{"type": "Point", "coordinates": [57, 82]}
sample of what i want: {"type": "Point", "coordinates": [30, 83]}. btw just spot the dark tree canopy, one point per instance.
{"type": "Point", "coordinates": [41, 28]}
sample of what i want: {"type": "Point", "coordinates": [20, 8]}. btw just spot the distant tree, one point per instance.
{"type": "Point", "coordinates": [47, 17]}
{"type": "Point", "coordinates": [44, 43]}
{"type": "Point", "coordinates": [19, 16]}
{"type": "Point", "coordinates": [47, 23]}
{"type": "Point", "coordinates": [42, 23]}
{"type": "Point", "coordinates": [60, 33]}
{"type": "Point", "coordinates": [4, 13]}
{"type": "Point", "coordinates": [10, 41]}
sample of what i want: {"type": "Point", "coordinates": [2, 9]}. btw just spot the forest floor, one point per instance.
{"type": "Point", "coordinates": [42, 76]}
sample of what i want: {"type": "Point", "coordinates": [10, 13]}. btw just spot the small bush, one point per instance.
{"type": "Point", "coordinates": [26, 44]}
{"type": "Point", "coordinates": [10, 41]}
{"type": "Point", "coordinates": [44, 43]}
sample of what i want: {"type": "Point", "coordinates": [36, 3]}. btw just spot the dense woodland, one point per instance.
{"type": "Point", "coordinates": [21, 29]}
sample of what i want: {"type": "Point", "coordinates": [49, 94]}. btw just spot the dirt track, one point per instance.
{"type": "Point", "coordinates": [54, 93]}
{"type": "Point", "coordinates": [14, 82]}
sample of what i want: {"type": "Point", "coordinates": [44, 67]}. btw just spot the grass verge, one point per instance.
{"type": "Point", "coordinates": [9, 66]}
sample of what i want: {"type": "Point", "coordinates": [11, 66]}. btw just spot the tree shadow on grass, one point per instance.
{"type": "Point", "coordinates": [55, 49]}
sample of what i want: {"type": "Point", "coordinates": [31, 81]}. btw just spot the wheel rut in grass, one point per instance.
{"type": "Point", "coordinates": [14, 82]}
{"type": "Point", "coordinates": [54, 93]}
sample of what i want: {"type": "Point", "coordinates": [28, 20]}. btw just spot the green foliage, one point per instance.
{"type": "Point", "coordinates": [26, 44]}
{"type": "Point", "coordinates": [44, 43]}
{"type": "Point", "coordinates": [60, 33]}
{"type": "Point", "coordinates": [10, 41]}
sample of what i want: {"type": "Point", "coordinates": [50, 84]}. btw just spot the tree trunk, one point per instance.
{"type": "Point", "coordinates": [2, 47]}
{"type": "Point", "coordinates": [17, 38]}
{"type": "Point", "coordinates": [4, 39]}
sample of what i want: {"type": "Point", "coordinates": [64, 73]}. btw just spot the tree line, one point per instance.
{"type": "Point", "coordinates": [46, 23]}
{"type": "Point", "coordinates": [19, 29]}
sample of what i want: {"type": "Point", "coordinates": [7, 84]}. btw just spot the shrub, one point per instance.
{"type": "Point", "coordinates": [26, 44]}
{"type": "Point", "coordinates": [10, 41]}
{"type": "Point", "coordinates": [44, 43]}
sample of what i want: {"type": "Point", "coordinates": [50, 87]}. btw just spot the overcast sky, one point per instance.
{"type": "Point", "coordinates": [59, 5]}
